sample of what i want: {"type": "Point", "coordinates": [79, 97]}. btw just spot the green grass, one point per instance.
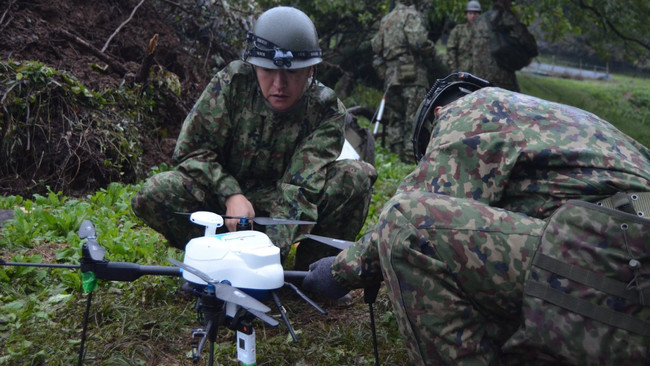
{"type": "Point", "coordinates": [147, 322]}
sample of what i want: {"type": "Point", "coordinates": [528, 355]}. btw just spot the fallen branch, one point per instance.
{"type": "Point", "coordinates": [121, 25]}
{"type": "Point", "coordinates": [100, 55]}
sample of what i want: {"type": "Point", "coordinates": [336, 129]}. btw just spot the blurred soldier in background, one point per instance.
{"type": "Point", "coordinates": [400, 46]}
{"type": "Point", "coordinates": [460, 42]}
{"type": "Point", "coordinates": [500, 18]}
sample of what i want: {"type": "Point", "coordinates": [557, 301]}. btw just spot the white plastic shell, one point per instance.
{"type": "Point", "coordinates": [246, 259]}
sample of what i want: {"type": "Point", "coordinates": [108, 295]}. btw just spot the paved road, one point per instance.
{"type": "Point", "coordinates": [556, 70]}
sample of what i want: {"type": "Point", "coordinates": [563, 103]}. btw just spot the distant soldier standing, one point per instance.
{"type": "Point", "coordinates": [402, 42]}
{"type": "Point", "coordinates": [460, 43]}
{"type": "Point", "coordinates": [263, 140]}
{"type": "Point", "coordinates": [485, 66]}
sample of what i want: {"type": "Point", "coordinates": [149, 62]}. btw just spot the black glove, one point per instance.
{"type": "Point", "coordinates": [320, 280]}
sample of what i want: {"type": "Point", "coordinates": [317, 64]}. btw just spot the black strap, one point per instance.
{"type": "Point", "coordinates": [590, 279]}
{"type": "Point", "coordinates": [279, 56]}
{"type": "Point", "coordinates": [585, 308]}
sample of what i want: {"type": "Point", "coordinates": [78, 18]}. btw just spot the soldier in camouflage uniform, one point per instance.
{"type": "Point", "coordinates": [401, 43]}
{"type": "Point", "coordinates": [454, 243]}
{"type": "Point", "coordinates": [485, 66]}
{"type": "Point", "coordinates": [263, 140]}
{"type": "Point", "coordinates": [460, 42]}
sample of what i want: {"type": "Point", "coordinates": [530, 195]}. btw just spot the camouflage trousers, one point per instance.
{"type": "Point", "coordinates": [455, 269]}
{"type": "Point", "coordinates": [402, 102]}
{"type": "Point", "coordinates": [342, 207]}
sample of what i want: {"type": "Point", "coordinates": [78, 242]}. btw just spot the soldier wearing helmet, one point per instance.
{"type": "Point", "coordinates": [265, 139]}
{"type": "Point", "coordinates": [455, 242]}
{"type": "Point", "coordinates": [499, 17]}
{"type": "Point", "coordinates": [402, 43]}
{"type": "Point", "coordinates": [460, 41]}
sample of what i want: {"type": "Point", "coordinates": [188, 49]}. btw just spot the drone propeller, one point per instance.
{"type": "Point", "coordinates": [226, 292]}
{"type": "Point", "coordinates": [87, 230]}
{"type": "Point", "coordinates": [91, 249]}
{"type": "Point", "coordinates": [264, 221]}
{"type": "Point", "coordinates": [267, 221]}
{"type": "Point", "coordinates": [339, 244]}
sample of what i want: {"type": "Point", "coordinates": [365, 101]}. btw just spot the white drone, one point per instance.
{"type": "Point", "coordinates": [232, 272]}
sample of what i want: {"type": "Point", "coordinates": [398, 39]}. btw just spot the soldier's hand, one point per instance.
{"type": "Point", "coordinates": [320, 279]}
{"type": "Point", "coordinates": [238, 206]}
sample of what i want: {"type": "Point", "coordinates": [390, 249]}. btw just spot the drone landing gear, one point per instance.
{"type": "Point", "coordinates": [213, 312]}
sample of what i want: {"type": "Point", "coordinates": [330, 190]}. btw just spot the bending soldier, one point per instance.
{"type": "Point", "coordinates": [454, 243]}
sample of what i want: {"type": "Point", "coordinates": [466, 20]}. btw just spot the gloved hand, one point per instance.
{"type": "Point", "coordinates": [320, 279]}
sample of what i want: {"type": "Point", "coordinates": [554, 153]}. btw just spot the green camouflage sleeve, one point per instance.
{"type": "Point", "coordinates": [205, 128]}
{"type": "Point", "coordinates": [358, 265]}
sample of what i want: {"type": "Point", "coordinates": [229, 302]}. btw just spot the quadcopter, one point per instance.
{"type": "Point", "coordinates": [231, 274]}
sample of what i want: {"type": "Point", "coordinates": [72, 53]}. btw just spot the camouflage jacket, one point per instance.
{"type": "Point", "coordinates": [515, 152]}
{"type": "Point", "coordinates": [232, 142]}
{"type": "Point", "coordinates": [402, 41]}
{"type": "Point", "coordinates": [459, 48]}
{"type": "Point", "coordinates": [484, 64]}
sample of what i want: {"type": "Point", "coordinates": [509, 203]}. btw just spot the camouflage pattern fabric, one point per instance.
{"type": "Point", "coordinates": [455, 241]}
{"type": "Point", "coordinates": [232, 142]}
{"type": "Point", "coordinates": [460, 46]}
{"type": "Point", "coordinates": [484, 64]}
{"type": "Point", "coordinates": [587, 295]}
{"type": "Point", "coordinates": [402, 43]}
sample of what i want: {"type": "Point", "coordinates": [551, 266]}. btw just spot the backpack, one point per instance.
{"type": "Point", "coordinates": [507, 50]}
{"type": "Point", "coordinates": [587, 294]}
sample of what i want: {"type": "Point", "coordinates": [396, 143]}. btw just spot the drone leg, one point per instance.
{"type": "Point", "coordinates": [276, 299]}
{"type": "Point", "coordinates": [85, 327]}
{"type": "Point", "coordinates": [303, 296]}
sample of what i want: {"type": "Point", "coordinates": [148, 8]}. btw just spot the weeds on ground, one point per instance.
{"type": "Point", "coordinates": [147, 322]}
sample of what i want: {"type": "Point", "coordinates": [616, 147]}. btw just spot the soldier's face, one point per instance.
{"type": "Point", "coordinates": [471, 16]}
{"type": "Point", "coordinates": [282, 88]}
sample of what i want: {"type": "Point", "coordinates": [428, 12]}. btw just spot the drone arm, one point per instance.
{"type": "Point", "coordinates": [123, 271]}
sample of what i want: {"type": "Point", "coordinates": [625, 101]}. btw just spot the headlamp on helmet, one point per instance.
{"type": "Point", "coordinates": [283, 38]}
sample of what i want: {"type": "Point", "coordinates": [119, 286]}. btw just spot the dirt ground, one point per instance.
{"type": "Point", "coordinates": [83, 37]}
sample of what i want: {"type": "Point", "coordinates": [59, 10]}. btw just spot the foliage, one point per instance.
{"type": "Point", "coordinates": [56, 132]}
{"type": "Point", "coordinates": [143, 322]}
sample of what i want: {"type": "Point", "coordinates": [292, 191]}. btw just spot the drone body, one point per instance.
{"type": "Point", "coordinates": [247, 260]}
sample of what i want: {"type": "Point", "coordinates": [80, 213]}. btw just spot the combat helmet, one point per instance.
{"type": "Point", "coordinates": [283, 38]}
{"type": "Point", "coordinates": [473, 5]}
{"type": "Point", "coordinates": [443, 92]}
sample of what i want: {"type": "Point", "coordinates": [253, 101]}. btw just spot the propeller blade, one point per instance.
{"type": "Point", "coordinates": [87, 230]}
{"type": "Point", "coordinates": [266, 221]}
{"type": "Point", "coordinates": [93, 250]}
{"type": "Point", "coordinates": [339, 244]}
{"type": "Point", "coordinates": [229, 293]}
{"type": "Point", "coordinates": [204, 277]}
{"type": "Point", "coordinates": [224, 291]}
{"type": "Point", "coordinates": [264, 317]}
